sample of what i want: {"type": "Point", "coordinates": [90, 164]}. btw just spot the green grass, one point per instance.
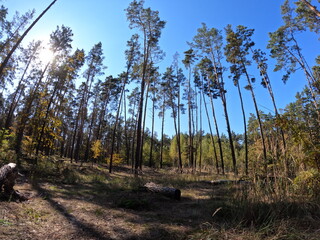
{"type": "Point", "coordinates": [35, 215]}
{"type": "Point", "coordinates": [5, 222]}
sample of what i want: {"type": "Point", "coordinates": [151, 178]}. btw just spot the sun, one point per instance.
{"type": "Point", "coordinates": [46, 55]}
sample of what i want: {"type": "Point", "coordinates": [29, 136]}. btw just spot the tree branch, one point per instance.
{"type": "Point", "coordinates": [311, 7]}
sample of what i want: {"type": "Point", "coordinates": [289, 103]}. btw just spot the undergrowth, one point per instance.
{"type": "Point", "coordinates": [278, 209]}
{"type": "Point", "coordinates": [262, 211]}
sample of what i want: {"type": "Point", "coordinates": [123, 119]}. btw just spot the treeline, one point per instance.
{"type": "Point", "coordinates": [44, 112]}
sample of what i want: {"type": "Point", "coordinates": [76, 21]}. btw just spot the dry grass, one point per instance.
{"type": "Point", "coordinates": [86, 202]}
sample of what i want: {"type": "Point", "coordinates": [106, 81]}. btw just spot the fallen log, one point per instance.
{"type": "Point", "coordinates": [170, 192]}
{"type": "Point", "coordinates": [8, 175]}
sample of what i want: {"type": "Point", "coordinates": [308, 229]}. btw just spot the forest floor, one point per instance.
{"type": "Point", "coordinates": [86, 202]}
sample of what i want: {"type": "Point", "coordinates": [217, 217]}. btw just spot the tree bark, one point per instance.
{"type": "Point", "coordinates": [116, 123]}
{"type": "Point", "coordinates": [162, 132]}
{"type": "Point", "coordinates": [217, 128]}
{"type": "Point", "coordinates": [211, 134]}
{"type": "Point", "coordinates": [152, 132]}
{"type": "Point", "coordinates": [139, 146]}
{"type": "Point", "coordinates": [311, 7]}
{"type": "Point", "coordinates": [245, 130]}
{"type": "Point", "coordinates": [259, 120]}
{"type": "Point", "coordinates": [170, 192]}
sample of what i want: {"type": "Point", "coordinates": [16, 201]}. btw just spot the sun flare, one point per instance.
{"type": "Point", "coordinates": [46, 55]}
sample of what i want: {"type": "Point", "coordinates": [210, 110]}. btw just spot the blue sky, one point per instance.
{"type": "Point", "coordinates": [105, 20]}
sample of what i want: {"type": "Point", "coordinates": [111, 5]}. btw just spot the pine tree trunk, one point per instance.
{"type": "Point", "coordinates": [115, 125]}
{"type": "Point", "coordinates": [219, 77]}
{"type": "Point", "coordinates": [162, 133]}
{"type": "Point", "coordinates": [245, 130]}
{"type": "Point", "coordinates": [39, 140]}
{"type": "Point", "coordinates": [200, 140]}
{"type": "Point", "coordinates": [178, 134]}
{"type": "Point", "coordinates": [152, 133]}
{"type": "Point", "coordinates": [218, 135]}
{"type": "Point", "coordinates": [144, 125]}
{"type": "Point", "coordinates": [11, 37]}
{"type": "Point", "coordinates": [196, 129]}
{"type": "Point", "coordinates": [311, 7]}
{"type": "Point", "coordinates": [211, 134]}
{"type": "Point", "coordinates": [233, 155]}
{"type": "Point", "coordinates": [6, 60]}
{"type": "Point", "coordinates": [25, 114]}
{"type": "Point", "coordinates": [259, 121]}
{"type": "Point", "coordinates": [19, 90]}
{"type": "Point", "coordinates": [126, 129]}
{"type": "Point", "coordinates": [176, 127]}
{"type": "Point", "coordinates": [267, 83]}
{"type": "Point", "coordinates": [190, 147]}
{"type": "Point", "coordinates": [138, 154]}
{"type": "Point", "coordinates": [217, 129]}
{"type": "Point", "coordinates": [86, 155]}
{"type": "Point", "coordinates": [133, 136]}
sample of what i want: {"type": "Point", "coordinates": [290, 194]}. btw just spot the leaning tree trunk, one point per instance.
{"type": "Point", "coordinates": [218, 134]}
{"type": "Point", "coordinates": [311, 7]}
{"type": "Point", "coordinates": [211, 134]}
{"type": "Point", "coordinates": [226, 115]}
{"type": "Point", "coordinates": [25, 115]}
{"type": "Point", "coordinates": [217, 128]}
{"type": "Point", "coordinates": [259, 121]}
{"type": "Point", "coordinates": [6, 60]}
{"type": "Point", "coordinates": [267, 82]}
{"type": "Point", "coordinates": [219, 77]}
{"type": "Point", "coordinates": [18, 93]}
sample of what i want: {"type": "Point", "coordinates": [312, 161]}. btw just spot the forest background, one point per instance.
{"type": "Point", "coordinates": [91, 104]}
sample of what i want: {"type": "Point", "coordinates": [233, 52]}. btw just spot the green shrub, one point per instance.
{"type": "Point", "coordinates": [7, 154]}
{"type": "Point", "coordinates": [70, 176]}
{"type": "Point", "coordinates": [308, 183]}
{"type": "Point", "coordinates": [96, 178]}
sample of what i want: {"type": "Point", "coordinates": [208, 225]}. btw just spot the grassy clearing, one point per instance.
{"type": "Point", "coordinates": [74, 201]}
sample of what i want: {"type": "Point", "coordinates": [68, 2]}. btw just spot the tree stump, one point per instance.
{"type": "Point", "coordinates": [8, 175]}
{"type": "Point", "coordinates": [173, 193]}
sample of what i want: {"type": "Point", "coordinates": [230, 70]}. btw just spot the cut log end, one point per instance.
{"type": "Point", "coordinates": [8, 175]}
